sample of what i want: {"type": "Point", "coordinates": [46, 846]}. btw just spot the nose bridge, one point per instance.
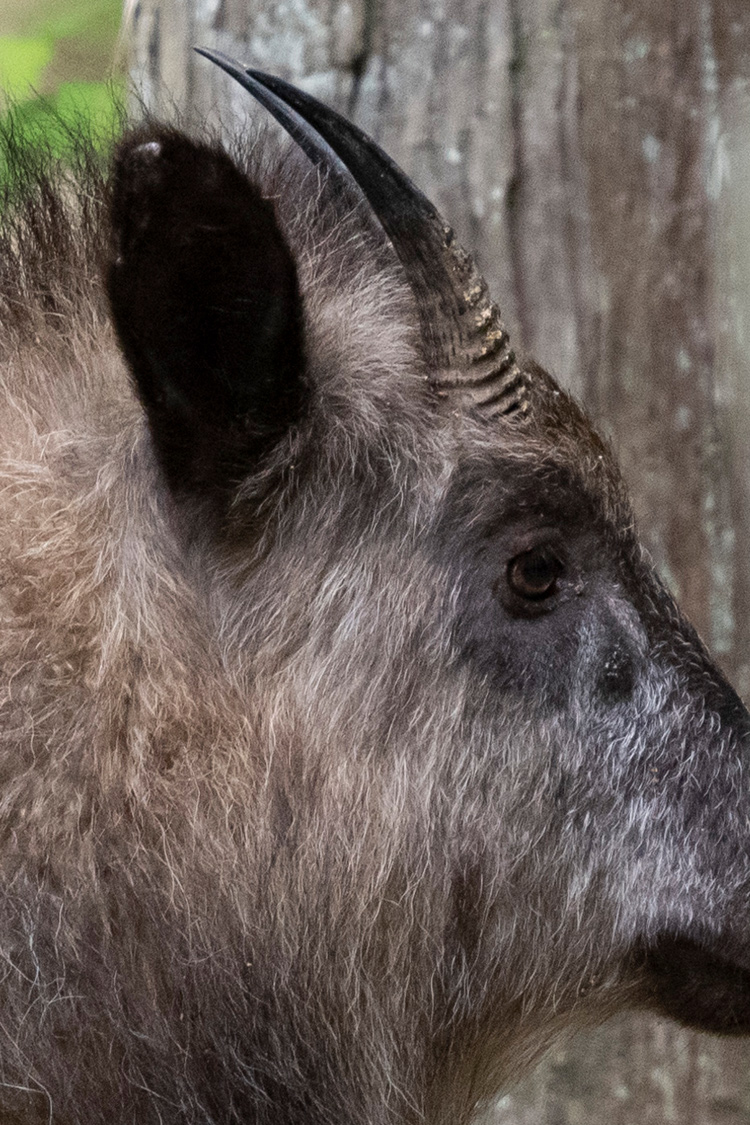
{"type": "Point", "coordinates": [723, 708]}
{"type": "Point", "coordinates": [624, 616]}
{"type": "Point", "coordinates": [689, 773]}
{"type": "Point", "coordinates": [672, 642]}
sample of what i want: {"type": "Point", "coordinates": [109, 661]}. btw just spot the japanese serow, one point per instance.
{"type": "Point", "coordinates": [350, 746]}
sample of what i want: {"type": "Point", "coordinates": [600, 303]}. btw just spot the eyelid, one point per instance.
{"type": "Point", "coordinates": [543, 536]}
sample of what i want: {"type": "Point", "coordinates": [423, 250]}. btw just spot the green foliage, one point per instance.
{"type": "Point", "coordinates": [91, 108]}
{"type": "Point", "coordinates": [83, 19]}
{"type": "Point", "coordinates": [55, 74]}
{"type": "Point", "coordinates": [22, 62]}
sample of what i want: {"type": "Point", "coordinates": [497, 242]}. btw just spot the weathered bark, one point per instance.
{"type": "Point", "coordinates": [595, 155]}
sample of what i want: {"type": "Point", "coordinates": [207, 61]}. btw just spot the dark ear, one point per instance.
{"type": "Point", "coordinates": [205, 301]}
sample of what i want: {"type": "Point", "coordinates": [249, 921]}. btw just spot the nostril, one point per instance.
{"type": "Point", "coordinates": [616, 678]}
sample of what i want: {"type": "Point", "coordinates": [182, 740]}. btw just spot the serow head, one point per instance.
{"type": "Point", "coordinates": [424, 559]}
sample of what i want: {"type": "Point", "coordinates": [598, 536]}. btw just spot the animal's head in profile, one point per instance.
{"type": "Point", "coordinates": [392, 756]}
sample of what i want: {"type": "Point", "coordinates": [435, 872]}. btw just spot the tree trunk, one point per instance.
{"type": "Point", "coordinates": [594, 154]}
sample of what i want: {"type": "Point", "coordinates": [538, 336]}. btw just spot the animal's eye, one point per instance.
{"type": "Point", "coordinates": [533, 574]}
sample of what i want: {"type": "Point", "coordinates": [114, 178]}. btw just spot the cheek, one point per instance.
{"type": "Point", "coordinates": [589, 649]}
{"type": "Point", "coordinates": [539, 659]}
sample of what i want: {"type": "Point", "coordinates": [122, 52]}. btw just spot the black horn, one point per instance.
{"type": "Point", "coordinates": [465, 342]}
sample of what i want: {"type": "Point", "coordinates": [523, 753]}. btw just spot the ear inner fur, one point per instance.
{"type": "Point", "coordinates": [205, 300]}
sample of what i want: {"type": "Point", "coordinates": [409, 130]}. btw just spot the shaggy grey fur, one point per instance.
{"type": "Point", "coordinates": [305, 816]}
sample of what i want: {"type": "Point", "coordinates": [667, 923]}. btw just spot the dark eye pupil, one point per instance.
{"type": "Point", "coordinates": [534, 573]}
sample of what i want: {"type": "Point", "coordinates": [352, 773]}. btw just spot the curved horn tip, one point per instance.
{"type": "Point", "coordinates": [471, 360]}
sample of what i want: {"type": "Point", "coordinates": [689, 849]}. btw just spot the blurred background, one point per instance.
{"type": "Point", "coordinates": [595, 155]}
{"type": "Point", "coordinates": [58, 64]}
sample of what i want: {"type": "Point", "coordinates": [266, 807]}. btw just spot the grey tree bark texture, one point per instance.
{"type": "Point", "coordinates": [595, 154]}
